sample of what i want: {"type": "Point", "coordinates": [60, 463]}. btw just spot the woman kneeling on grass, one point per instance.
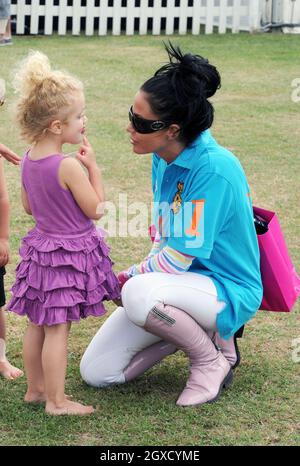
{"type": "Point", "coordinates": [201, 281]}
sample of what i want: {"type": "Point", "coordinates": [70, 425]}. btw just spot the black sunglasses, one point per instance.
{"type": "Point", "coordinates": [2, 102]}
{"type": "Point", "coordinates": [143, 126]}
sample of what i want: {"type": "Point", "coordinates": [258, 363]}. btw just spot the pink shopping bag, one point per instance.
{"type": "Point", "coordinates": [281, 284]}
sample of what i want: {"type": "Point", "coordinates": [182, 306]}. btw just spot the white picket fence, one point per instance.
{"type": "Point", "coordinates": [136, 16]}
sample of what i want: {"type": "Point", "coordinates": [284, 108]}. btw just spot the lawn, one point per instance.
{"type": "Point", "coordinates": [256, 119]}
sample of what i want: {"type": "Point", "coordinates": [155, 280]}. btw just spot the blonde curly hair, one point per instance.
{"type": "Point", "coordinates": [44, 95]}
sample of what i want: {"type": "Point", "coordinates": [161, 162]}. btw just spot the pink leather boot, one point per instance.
{"type": "Point", "coordinates": [147, 358]}
{"type": "Point", "coordinates": [210, 372]}
{"type": "Point", "coordinates": [229, 347]}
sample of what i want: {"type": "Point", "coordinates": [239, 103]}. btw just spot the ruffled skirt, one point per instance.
{"type": "Point", "coordinates": [62, 279]}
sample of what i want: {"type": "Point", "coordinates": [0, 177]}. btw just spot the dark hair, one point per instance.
{"type": "Point", "coordinates": [179, 90]}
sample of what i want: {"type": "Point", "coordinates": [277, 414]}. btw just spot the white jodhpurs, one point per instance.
{"type": "Point", "coordinates": [121, 337]}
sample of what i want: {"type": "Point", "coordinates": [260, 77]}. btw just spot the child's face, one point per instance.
{"type": "Point", "coordinates": [74, 128]}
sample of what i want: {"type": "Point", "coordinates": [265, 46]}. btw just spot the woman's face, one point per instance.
{"type": "Point", "coordinates": [157, 141]}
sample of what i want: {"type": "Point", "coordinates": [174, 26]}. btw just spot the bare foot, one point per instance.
{"type": "Point", "coordinates": [39, 397]}
{"type": "Point", "coordinates": [68, 408]}
{"type": "Point", "coordinates": [8, 371]}
{"type": "Point", "coordinates": [34, 397]}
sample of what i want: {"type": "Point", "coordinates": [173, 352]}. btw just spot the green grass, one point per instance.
{"type": "Point", "coordinates": [257, 120]}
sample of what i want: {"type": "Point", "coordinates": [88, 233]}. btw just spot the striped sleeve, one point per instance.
{"type": "Point", "coordinates": [157, 245]}
{"type": "Point", "coordinates": [168, 260]}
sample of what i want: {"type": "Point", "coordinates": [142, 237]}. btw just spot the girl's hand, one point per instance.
{"type": "Point", "coordinates": [9, 155]}
{"type": "Point", "coordinates": [86, 154]}
{"type": "Point", "coordinates": [123, 277]}
{"type": "Point", "coordinates": [4, 252]}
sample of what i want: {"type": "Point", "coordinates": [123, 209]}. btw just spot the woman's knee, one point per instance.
{"type": "Point", "coordinates": [99, 372]}
{"type": "Point", "coordinates": [110, 351]}
{"type": "Point", "coordinates": [86, 373]}
{"type": "Point", "coordinates": [89, 375]}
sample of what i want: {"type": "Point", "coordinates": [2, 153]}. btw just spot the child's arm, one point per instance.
{"type": "Point", "coordinates": [25, 201]}
{"type": "Point", "coordinates": [4, 219]}
{"type": "Point", "coordinates": [88, 192]}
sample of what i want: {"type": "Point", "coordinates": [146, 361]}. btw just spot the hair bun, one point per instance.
{"type": "Point", "coordinates": [34, 69]}
{"type": "Point", "coordinates": [191, 62]}
{"type": "Point", "coordinates": [198, 66]}
{"type": "Point", "coordinates": [179, 92]}
{"type": "Point", "coordinates": [206, 73]}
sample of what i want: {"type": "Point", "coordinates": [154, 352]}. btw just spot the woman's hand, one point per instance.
{"type": "Point", "coordinates": [4, 252]}
{"type": "Point", "coordinates": [86, 154]}
{"type": "Point", "coordinates": [9, 155]}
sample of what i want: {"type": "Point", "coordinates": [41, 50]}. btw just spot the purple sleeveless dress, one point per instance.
{"type": "Point", "coordinates": [65, 272]}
